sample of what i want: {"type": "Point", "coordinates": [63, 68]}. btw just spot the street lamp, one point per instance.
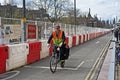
{"type": "Point", "coordinates": [24, 9]}
{"type": "Point", "coordinates": [75, 14]}
{"type": "Point", "coordinates": [24, 20]}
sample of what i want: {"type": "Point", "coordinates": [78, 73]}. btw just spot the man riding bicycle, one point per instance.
{"type": "Point", "coordinates": [58, 37]}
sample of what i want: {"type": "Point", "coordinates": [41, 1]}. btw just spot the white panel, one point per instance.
{"type": "Point", "coordinates": [81, 38]}
{"type": "Point", "coordinates": [45, 50]}
{"type": "Point", "coordinates": [77, 39]}
{"type": "Point", "coordinates": [88, 37]}
{"type": "Point", "coordinates": [70, 41]}
{"type": "Point", "coordinates": [17, 55]}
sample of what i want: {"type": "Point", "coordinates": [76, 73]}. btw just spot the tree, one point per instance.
{"type": "Point", "coordinates": [55, 9]}
{"type": "Point", "coordinates": [70, 15]}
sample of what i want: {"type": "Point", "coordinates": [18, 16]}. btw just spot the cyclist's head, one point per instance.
{"type": "Point", "coordinates": [57, 27]}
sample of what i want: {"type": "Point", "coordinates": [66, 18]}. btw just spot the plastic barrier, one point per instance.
{"type": "Point", "coordinates": [67, 40]}
{"type": "Point", "coordinates": [73, 41]}
{"type": "Point", "coordinates": [2, 66]}
{"type": "Point", "coordinates": [88, 37]}
{"type": "Point", "coordinates": [34, 52]}
{"type": "Point", "coordinates": [17, 55]}
{"type": "Point", "coordinates": [50, 49]}
{"type": "Point", "coordinates": [45, 50]}
{"type": "Point", "coordinates": [3, 57]}
{"type": "Point", "coordinates": [77, 39]}
{"type": "Point", "coordinates": [91, 36]}
{"type": "Point", "coordinates": [70, 41]}
{"type": "Point", "coordinates": [26, 53]}
{"type": "Point", "coordinates": [83, 38]}
{"type": "Point", "coordinates": [94, 35]}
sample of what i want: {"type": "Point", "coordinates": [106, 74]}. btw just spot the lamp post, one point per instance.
{"type": "Point", "coordinates": [24, 20]}
{"type": "Point", "coordinates": [75, 15]}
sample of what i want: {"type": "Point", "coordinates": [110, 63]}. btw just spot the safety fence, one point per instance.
{"type": "Point", "coordinates": [13, 30]}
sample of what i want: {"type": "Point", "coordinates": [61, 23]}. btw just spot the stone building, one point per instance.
{"type": "Point", "coordinates": [12, 11]}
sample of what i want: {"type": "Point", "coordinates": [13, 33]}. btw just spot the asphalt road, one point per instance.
{"type": "Point", "coordinates": [77, 67]}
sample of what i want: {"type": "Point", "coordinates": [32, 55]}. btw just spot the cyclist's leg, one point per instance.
{"type": "Point", "coordinates": [62, 52]}
{"type": "Point", "coordinates": [62, 57]}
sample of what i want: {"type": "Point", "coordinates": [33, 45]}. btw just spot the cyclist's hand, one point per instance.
{"type": "Point", "coordinates": [48, 45]}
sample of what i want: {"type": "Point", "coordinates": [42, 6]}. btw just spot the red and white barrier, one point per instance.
{"type": "Point", "coordinates": [34, 52]}
{"type": "Point", "coordinates": [77, 40]}
{"type": "Point", "coordinates": [73, 41]}
{"type": "Point", "coordinates": [45, 50]}
{"type": "Point", "coordinates": [13, 56]}
{"type": "Point", "coordinates": [17, 55]}
{"type": "Point", "coordinates": [70, 41]}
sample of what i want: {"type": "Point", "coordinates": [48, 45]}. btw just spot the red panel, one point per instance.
{"type": "Point", "coordinates": [3, 52]}
{"type": "Point", "coordinates": [51, 49]}
{"type": "Point", "coordinates": [79, 39]}
{"type": "Point", "coordinates": [67, 40]}
{"type": "Point", "coordinates": [34, 46]}
{"type": "Point", "coordinates": [31, 58]}
{"type": "Point", "coordinates": [2, 66]}
{"type": "Point", "coordinates": [83, 37]}
{"type": "Point", "coordinates": [87, 37]}
{"type": "Point", "coordinates": [73, 41]}
{"type": "Point", "coordinates": [34, 52]}
{"type": "Point", "coordinates": [90, 36]}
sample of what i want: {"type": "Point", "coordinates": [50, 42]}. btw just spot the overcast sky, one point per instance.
{"type": "Point", "coordinates": [105, 9]}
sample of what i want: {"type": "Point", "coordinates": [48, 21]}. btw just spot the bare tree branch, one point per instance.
{"type": "Point", "coordinates": [54, 8]}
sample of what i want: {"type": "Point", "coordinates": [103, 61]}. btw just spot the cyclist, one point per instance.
{"type": "Point", "coordinates": [116, 33]}
{"type": "Point", "coordinates": [58, 37]}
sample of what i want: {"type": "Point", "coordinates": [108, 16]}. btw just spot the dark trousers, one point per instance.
{"type": "Point", "coordinates": [62, 52]}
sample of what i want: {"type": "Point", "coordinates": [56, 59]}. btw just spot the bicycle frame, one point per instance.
{"type": "Point", "coordinates": [55, 58]}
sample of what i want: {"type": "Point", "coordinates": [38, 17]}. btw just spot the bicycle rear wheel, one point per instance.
{"type": "Point", "coordinates": [53, 64]}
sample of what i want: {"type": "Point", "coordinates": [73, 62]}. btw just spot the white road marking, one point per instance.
{"type": "Point", "coordinates": [66, 68]}
{"type": "Point", "coordinates": [17, 72]}
{"type": "Point", "coordinates": [80, 65]}
{"type": "Point", "coordinates": [44, 67]}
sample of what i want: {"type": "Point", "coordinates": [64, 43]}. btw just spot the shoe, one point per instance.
{"type": "Point", "coordinates": [62, 63]}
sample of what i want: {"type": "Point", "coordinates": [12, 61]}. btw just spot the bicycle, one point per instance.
{"type": "Point", "coordinates": [55, 59]}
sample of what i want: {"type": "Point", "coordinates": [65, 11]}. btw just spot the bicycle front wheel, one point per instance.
{"type": "Point", "coordinates": [53, 64]}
